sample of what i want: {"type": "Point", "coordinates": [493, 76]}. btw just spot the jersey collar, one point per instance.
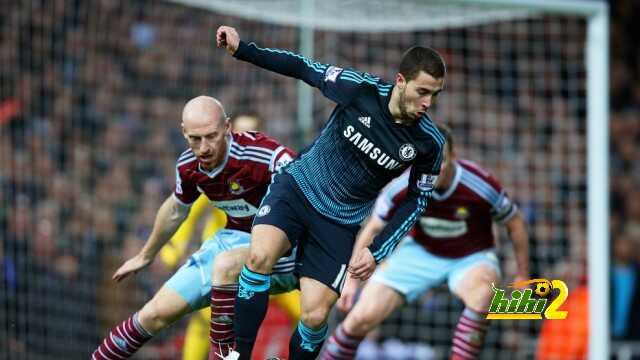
{"type": "Point", "coordinates": [218, 169]}
{"type": "Point", "coordinates": [454, 184]}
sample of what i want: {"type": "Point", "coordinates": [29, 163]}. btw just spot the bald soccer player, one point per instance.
{"type": "Point", "coordinates": [233, 170]}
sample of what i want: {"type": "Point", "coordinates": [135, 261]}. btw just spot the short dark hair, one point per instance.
{"type": "Point", "coordinates": [446, 132]}
{"type": "Point", "coordinates": [425, 59]}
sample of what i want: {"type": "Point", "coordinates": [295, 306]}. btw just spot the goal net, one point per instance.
{"type": "Point", "coordinates": [90, 100]}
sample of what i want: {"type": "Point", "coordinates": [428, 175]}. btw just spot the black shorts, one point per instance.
{"type": "Point", "coordinates": [324, 246]}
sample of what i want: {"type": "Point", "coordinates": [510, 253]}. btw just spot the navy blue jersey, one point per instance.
{"type": "Point", "coordinates": [361, 147]}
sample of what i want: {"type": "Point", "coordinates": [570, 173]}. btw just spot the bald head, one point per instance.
{"type": "Point", "coordinates": [203, 111]}
{"type": "Point", "coordinates": [206, 127]}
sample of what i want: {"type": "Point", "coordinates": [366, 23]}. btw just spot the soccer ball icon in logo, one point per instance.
{"type": "Point", "coordinates": [543, 288]}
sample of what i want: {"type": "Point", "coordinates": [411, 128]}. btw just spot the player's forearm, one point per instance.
{"type": "Point", "coordinates": [402, 220]}
{"type": "Point", "coordinates": [372, 228]}
{"type": "Point", "coordinates": [517, 230]}
{"type": "Point", "coordinates": [169, 217]}
{"type": "Point", "coordinates": [280, 61]}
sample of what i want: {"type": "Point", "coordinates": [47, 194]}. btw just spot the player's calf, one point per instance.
{"type": "Point", "coordinates": [123, 340]}
{"type": "Point", "coordinates": [317, 299]}
{"type": "Point", "coordinates": [268, 243]}
{"type": "Point", "coordinates": [221, 333]}
{"type": "Point", "coordinates": [376, 302]}
{"type": "Point", "coordinates": [468, 337]}
{"type": "Point", "coordinates": [226, 270]}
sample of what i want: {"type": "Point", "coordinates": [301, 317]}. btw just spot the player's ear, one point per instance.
{"type": "Point", "coordinates": [227, 126]}
{"type": "Point", "coordinates": [184, 132]}
{"type": "Point", "coordinates": [401, 81]}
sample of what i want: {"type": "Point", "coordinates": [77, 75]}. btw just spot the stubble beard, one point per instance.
{"type": "Point", "coordinates": [402, 106]}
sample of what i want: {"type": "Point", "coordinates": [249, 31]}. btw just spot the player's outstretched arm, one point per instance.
{"type": "Point", "coordinates": [169, 217]}
{"type": "Point", "coordinates": [517, 230]}
{"type": "Point", "coordinates": [329, 79]}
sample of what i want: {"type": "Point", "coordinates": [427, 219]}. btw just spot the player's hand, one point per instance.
{"type": "Point", "coordinates": [348, 294]}
{"type": "Point", "coordinates": [131, 266]}
{"type": "Point", "coordinates": [362, 264]}
{"type": "Point", "coordinates": [228, 38]}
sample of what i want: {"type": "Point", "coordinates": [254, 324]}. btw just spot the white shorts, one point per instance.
{"type": "Point", "coordinates": [412, 270]}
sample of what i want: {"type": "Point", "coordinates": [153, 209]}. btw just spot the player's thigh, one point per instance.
{"type": "Point", "coordinates": [411, 270]}
{"type": "Point", "coordinates": [324, 253]}
{"type": "Point", "coordinates": [375, 304]}
{"type": "Point", "coordinates": [316, 301]}
{"type": "Point", "coordinates": [192, 281]}
{"type": "Point", "coordinates": [279, 223]}
{"type": "Point", "coordinates": [163, 309]}
{"type": "Point", "coordinates": [472, 278]}
{"type": "Point", "coordinates": [226, 255]}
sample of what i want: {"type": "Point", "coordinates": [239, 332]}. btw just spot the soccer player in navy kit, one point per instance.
{"type": "Point", "coordinates": [318, 201]}
{"type": "Point", "coordinates": [453, 241]}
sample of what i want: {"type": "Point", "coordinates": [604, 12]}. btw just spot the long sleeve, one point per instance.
{"type": "Point", "coordinates": [422, 178]}
{"type": "Point", "coordinates": [335, 83]}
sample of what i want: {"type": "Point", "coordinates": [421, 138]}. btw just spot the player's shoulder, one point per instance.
{"type": "Point", "coordinates": [255, 139]}
{"type": "Point", "coordinates": [428, 134]}
{"type": "Point", "coordinates": [186, 160]}
{"type": "Point", "coordinates": [366, 80]}
{"type": "Point", "coordinates": [475, 175]}
{"type": "Point", "coordinates": [254, 147]}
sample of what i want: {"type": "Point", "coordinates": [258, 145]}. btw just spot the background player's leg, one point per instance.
{"type": "Point", "coordinates": [376, 303]}
{"type": "Point", "coordinates": [224, 289]}
{"type": "Point", "coordinates": [125, 339]}
{"type": "Point", "coordinates": [474, 288]}
{"type": "Point", "coordinates": [316, 300]}
{"type": "Point", "coordinates": [268, 243]}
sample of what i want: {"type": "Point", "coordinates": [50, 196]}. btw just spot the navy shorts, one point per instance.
{"type": "Point", "coordinates": [324, 246]}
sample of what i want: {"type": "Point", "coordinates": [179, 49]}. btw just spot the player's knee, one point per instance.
{"type": "Point", "coordinates": [260, 262]}
{"type": "Point", "coordinates": [315, 318]}
{"type": "Point", "coordinates": [226, 269]}
{"type": "Point", "coordinates": [479, 296]}
{"type": "Point", "coordinates": [151, 317]}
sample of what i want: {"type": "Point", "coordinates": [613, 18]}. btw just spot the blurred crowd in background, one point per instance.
{"type": "Point", "coordinates": [91, 94]}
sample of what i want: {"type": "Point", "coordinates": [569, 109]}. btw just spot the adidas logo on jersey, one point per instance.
{"type": "Point", "coordinates": [365, 120]}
